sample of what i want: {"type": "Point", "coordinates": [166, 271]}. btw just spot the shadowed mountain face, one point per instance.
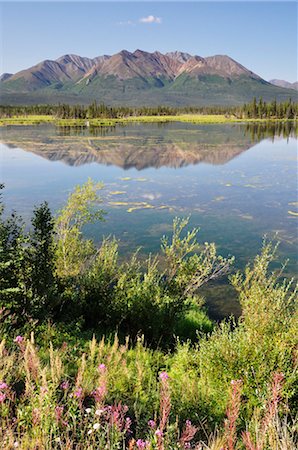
{"type": "Point", "coordinates": [138, 78]}
{"type": "Point", "coordinates": [134, 147]}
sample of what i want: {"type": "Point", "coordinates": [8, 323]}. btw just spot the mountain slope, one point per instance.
{"type": "Point", "coordinates": [139, 78]}
{"type": "Point", "coordinates": [285, 84]}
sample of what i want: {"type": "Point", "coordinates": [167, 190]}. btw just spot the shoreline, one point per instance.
{"type": "Point", "coordinates": [106, 122]}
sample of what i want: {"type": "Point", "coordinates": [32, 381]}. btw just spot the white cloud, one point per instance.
{"type": "Point", "coordinates": [150, 19]}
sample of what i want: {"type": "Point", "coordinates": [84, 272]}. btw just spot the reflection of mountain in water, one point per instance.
{"type": "Point", "coordinates": [141, 154]}
{"type": "Point", "coordinates": [140, 146]}
{"type": "Point", "coordinates": [127, 156]}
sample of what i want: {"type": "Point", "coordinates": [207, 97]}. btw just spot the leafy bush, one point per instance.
{"type": "Point", "coordinates": [54, 272]}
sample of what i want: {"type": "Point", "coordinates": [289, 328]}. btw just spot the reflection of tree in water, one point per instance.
{"type": "Point", "coordinates": [259, 131]}
{"type": "Point", "coordinates": [84, 130]}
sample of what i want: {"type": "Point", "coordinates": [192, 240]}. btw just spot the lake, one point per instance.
{"type": "Point", "coordinates": [237, 183]}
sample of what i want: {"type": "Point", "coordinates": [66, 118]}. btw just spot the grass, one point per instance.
{"type": "Point", "coordinates": [107, 395]}
{"type": "Point", "coordinates": [26, 120]}
{"type": "Point", "coordinates": [102, 122]}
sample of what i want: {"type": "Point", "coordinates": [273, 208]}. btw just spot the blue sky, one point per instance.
{"type": "Point", "coordinates": [260, 35]}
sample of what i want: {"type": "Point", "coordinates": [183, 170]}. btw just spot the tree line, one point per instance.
{"type": "Point", "coordinates": [257, 109]}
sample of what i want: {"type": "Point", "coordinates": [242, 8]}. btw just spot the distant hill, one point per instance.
{"type": "Point", "coordinates": [139, 78]}
{"type": "Point", "coordinates": [285, 84]}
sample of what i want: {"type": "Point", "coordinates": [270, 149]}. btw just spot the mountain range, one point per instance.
{"type": "Point", "coordinates": [284, 84]}
{"type": "Point", "coordinates": [139, 78]}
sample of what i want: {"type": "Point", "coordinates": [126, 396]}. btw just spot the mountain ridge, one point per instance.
{"type": "Point", "coordinates": [138, 77]}
{"type": "Point", "coordinates": [284, 83]}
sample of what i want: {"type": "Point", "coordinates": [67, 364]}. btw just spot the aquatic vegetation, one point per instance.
{"type": "Point", "coordinates": [246, 216]}
{"type": "Point", "coordinates": [117, 192]}
{"type": "Point", "coordinates": [119, 203]}
{"type": "Point", "coordinates": [253, 186]}
{"type": "Point", "coordinates": [136, 208]}
{"type": "Point", "coordinates": [220, 198]}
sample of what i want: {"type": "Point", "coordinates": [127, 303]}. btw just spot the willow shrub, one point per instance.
{"type": "Point", "coordinates": [154, 298]}
{"type": "Point", "coordinates": [263, 342]}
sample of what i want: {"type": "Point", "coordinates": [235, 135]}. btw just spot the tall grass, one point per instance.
{"type": "Point", "coordinates": [113, 396]}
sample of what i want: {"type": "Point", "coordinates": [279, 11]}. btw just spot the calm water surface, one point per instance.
{"type": "Point", "coordinates": [238, 183]}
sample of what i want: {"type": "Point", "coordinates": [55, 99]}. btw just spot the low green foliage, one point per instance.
{"type": "Point", "coordinates": [54, 273]}
{"type": "Point", "coordinates": [66, 390]}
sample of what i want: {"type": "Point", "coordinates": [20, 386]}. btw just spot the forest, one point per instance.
{"type": "Point", "coordinates": [257, 109]}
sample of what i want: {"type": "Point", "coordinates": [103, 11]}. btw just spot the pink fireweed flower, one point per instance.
{"type": "Point", "coordinates": [158, 433]}
{"type": "Point", "coordinates": [78, 392]}
{"type": "Point", "coordinates": [35, 416]}
{"type": "Point", "coordinates": [236, 382]}
{"type": "Point", "coordinates": [3, 386]}
{"type": "Point", "coordinates": [64, 385]}
{"type": "Point", "coordinates": [142, 444]}
{"type": "Point", "coordinates": [188, 434]}
{"type": "Point", "coordinates": [19, 339]}
{"type": "Point", "coordinates": [58, 412]}
{"type": "Point", "coordinates": [163, 376]}
{"type": "Point", "coordinates": [102, 368]}
{"type": "Point", "coordinates": [127, 425]}
{"type": "Point", "coordinates": [152, 424]}
{"type": "Point", "coordinates": [100, 393]}
{"type": "Point", "coordinates": [2, 397]}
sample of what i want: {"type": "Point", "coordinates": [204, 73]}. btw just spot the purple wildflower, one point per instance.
{"type": "Point", "coordinates": [19, 339]}
{"type": "Point", "coordinates": [102, 368]}
{"type": "Point", "coordinates": [2, 397]}
{"type": "Point", "coordinates": [100, 393]}
{"type": "Point", "coordinates": [163, 376]}
{"type": "Point", "coordinates": [158, 433]}
{"type": "Point", "coordinates": [78, 392]}
{"type": "Point", "coordinates": [142, 444]}
{"type": "Point", "coordinates": [128, 423]}
{"type": "Point", "coordinates": [3, 386]}
{"type": "Point", "coordinates": [152, 424]}
{"type": "Point", "coordinates": [64, 385]}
